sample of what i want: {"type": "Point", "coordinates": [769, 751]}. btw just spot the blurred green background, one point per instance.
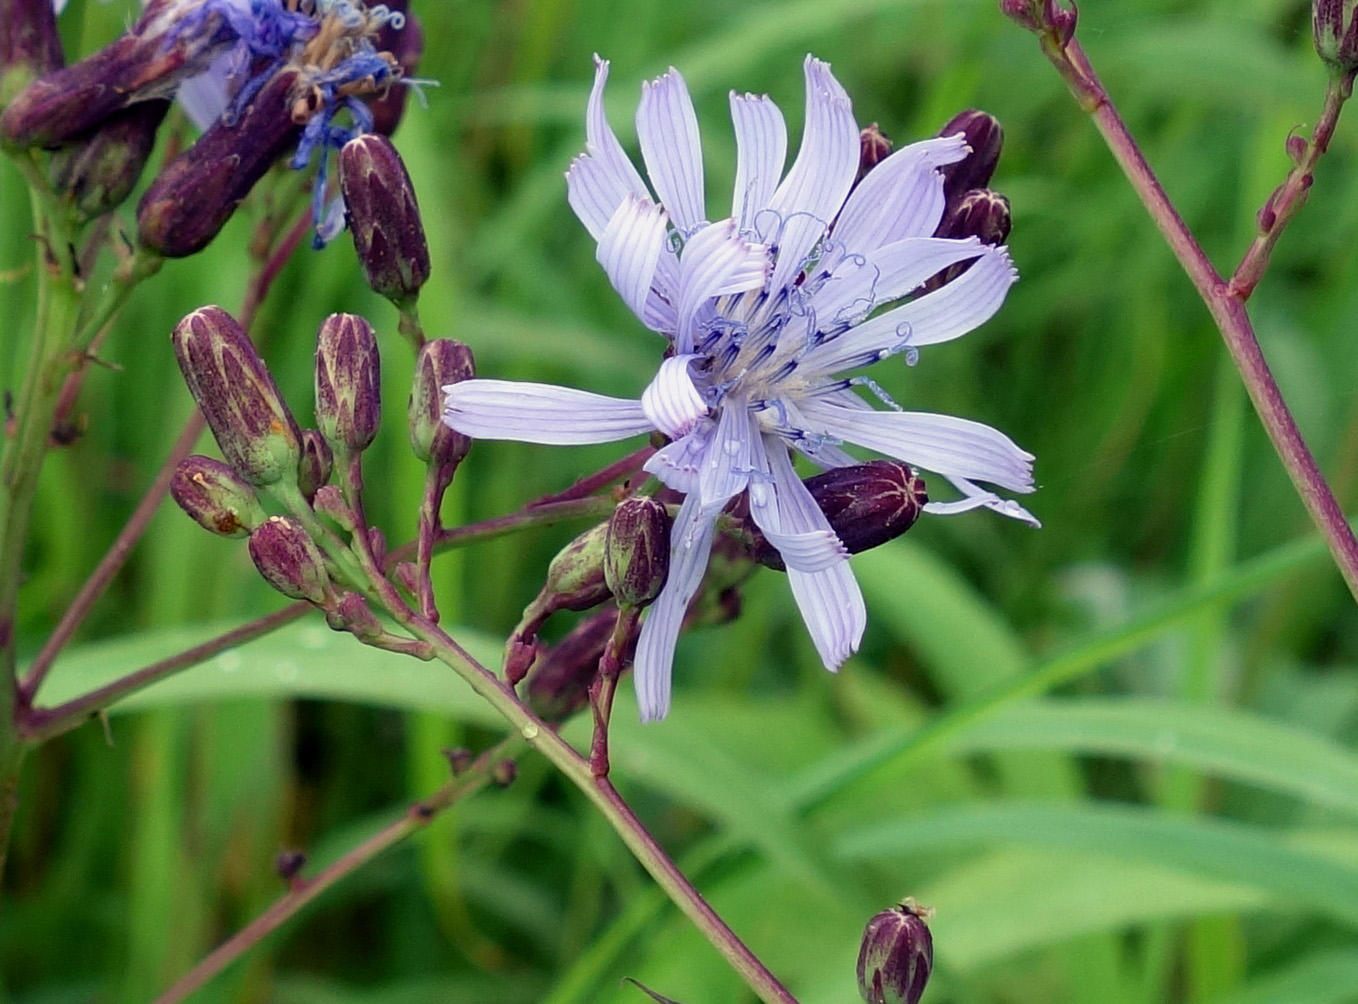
{"type": "Point", "coordinates": [1115, 754]}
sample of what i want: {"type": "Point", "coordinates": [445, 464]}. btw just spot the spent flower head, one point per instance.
{"type": "Point", "coordinates": [769, 312]}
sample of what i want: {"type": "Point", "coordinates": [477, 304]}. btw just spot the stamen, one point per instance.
{"type": "Point", "coordinates": [872, 385]}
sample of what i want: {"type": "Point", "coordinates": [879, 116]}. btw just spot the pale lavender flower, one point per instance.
{"type": "Point", "coordinates": [765, 311]}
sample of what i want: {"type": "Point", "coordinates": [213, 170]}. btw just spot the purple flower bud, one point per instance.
{"type": "Point", "coordinates": [867, 505]}
{"type": "Point", "coordinates": [237, 396]}
{"type": "Point", "coordinates": [985, 136]}
{"type": "Point", "coordinates": [441, 363]}
{"type": "Point", "coordinates": [637, 551]}
{"type": "Point", "coordinates": [29, 44]}
{"type": "Point", "coordinates": [315, 464]}
{"type": "Point", "coordinates": [192, 198]}
{"type": "Point", "coordinates": [1335, 29]}
{"type": "Point", "coordinates": [559, 686]}
{"type": "Point", "coordinates": [146, 63]}
{"type": "Point", "coordinates": [348, 382]}
{"type": "Point", "coordinates": [407, 45]}
{"type": "Point", "coordinates": [216, 497]}
{"type": "Point", "coordinates": [873, 148]}
{"type": "Point", "coordinates": [896, 956]}
{"type": "Point", "coordinates": [979, 213]}
{"type": "Point", "coordinates": [504, 773]}
{"type": "Point", "coordinates": [1046, 17]}
{"type": "Point", "coordinates": [353, 614]}
{"type": "Point", "coordinates": [384, 217]}
{"type": "Point", "coordinates": [289, 560]}
{"type": "Point", "coordinates": [97, 172]}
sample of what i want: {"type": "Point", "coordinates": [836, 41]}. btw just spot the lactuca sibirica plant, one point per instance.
{"type": "Point", "coordinates": [769, 313]}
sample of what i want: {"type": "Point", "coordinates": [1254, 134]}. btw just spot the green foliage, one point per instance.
{"type": "Point", "coordinates": [1116, 754]}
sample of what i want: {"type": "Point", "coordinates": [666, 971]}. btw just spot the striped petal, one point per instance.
{"type": "Point", "coordinates": [716, 261]}
{"type": "Point", "coordinates": [900, 197]}
{"type": "Point", "coordinates": [540, 413]}
{"type": "Point", "coordinates": [761, 149]}
{"type": "Point", "coordinates": [671, 401]}
{"type": "Point", "coordinates": [603, 176]}
{"type": "Point", "coordinates": [630, 248]}
{"type": "Point", "coordinates": [667, 129]}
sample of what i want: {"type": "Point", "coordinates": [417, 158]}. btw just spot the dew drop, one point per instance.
{"type": "Point", "coordinates": [229, 662]}
{"type": "Point", "coordinates": [530, 731]}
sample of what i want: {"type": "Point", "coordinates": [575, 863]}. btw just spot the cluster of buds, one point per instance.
{"type": "Point", "coordinates": [896, 955]}
{"type": "Point", "coordinates": [1047, 18]}
{"type": "Point", "coordinates": [279, 72]}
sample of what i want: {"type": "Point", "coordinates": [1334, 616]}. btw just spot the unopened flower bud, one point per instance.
{"type": "Point", "coordinates": [146, 63]}
{"type": "Point", "coordinates": [384, 217]}
{"type": "Point", "coordinates": [979, 213]}
{"type": "Point", "coordinates": [348, 382]}
{"type": "Point", "coordinates": [407, 45]}
{"type": "Point", "coordinates": [559, 686]}
{"type": "Point", "coordinates": [1336, 33]}
{"type": "Point", "coordinates": [896, 956]}
{"type": "Point", "coordinates": [97, 172]}
{"type": "Point", "coordinates": [315, 464]}
{"type": "Point", "coordinates": [216, 497]}
{"type": "Point", "coordinates": [637, 551]}
{"type": "Point", "coordinates": [353, 614]}
{"type": "Point", "coordinates": [1046, 17]}
{"type": "Point", "coordinates": [985, 136]}
{"type": "Point", "coordinates": [192, 198]}
{"type": "Point", "coordinates": [29, 44]}
{"type": "Point", "coordinates": [504, 773]}
{"type": "Point", "coordinates": [873, 148]}
{"type": "Point", "coordinates": [289, 559]}
{"type": "Point", "coordinates": [866, 505]}
{"type": "Point", "coordinates": [237, 396]}
{"type": "Point", "coordinates": [440, 363]}
{"type": "Point", "coordinates": [575, 578]}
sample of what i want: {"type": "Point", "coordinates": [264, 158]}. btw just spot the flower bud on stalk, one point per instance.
{"type": "Point", "coordinates": [561, 677]}
{"type": "Point", "coordinates": [873, 148]}
{"type": "Point", "coordinates": [384, 218]}
{"type": "Point", "coordinates": [147, 63]}
{"type": "Point", "coordinates": [1045, 17]}
{"type": "Point", "coordinates": [985, 136]}
{"type": "Point", "coordinates": [315, 464]}
{"type": "Point", "coordinates": [29, 44]}
{"type": "Point", "coordinates": [216, 497]}
{"type": "Point", "coordinates": [348, 382]}
{"type": "Point", "coordinates": [193, 197]}
{"type": "Point", "coordinates": [980, 213]}
{"type": "Point", "coordinates": [896, 956]}
{"type": "Point", "coordinates": [407, 45]}
{"type": "Point", "coordinates": [238, 397]}
{"type": "Point", "coordinates": [97, 172]}
{"type": "Point", "coordinates": [290, 561]}
{"type": "Point", "coordinates": [1335, 29]}
{"type": "Point", "coordinates": [866, 505]}
{"type": "Point", "coordinates": [637, 551]}
{"type": "Point", "coordinates": [440, 363]}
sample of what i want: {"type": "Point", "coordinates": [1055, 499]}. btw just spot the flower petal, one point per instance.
{"type": "Point", "coordinates": [677, 465]}
{"type": "Point", "coordinates": [949, 312]}
{"type": "Point", "coordinates": [603, 176]}
{"type": "Point", "coordinates": [716, 261]}
{"type": "Point", "coordinates": [671, 401]}
{"type": "Point", "coordinates": [690, 544]}
{"type": "Point", "coordinates": [808, 551]}
{"type": "Point", "coordinates": [900, 197]}
{"type": "Point", "coordinates": [829, 598]}
{"type": "Point", "coordinates": [629, 250]}
{"type": "Point", "coordinates": [954, 447]}
{"type": "Point", "coordinates": [667, 129]}
{"type": "Point", "coordinates": [761, 149]}
{"type": "Point", "coordinates": [540, 413]}
{"type": "Point", "coordinates": [820, 177]}
{"type": "Point", "coordinates": [860, 283]}
{"type": "Point", "coordinates": [725, 469]}
{"type": "Point", "coordinates": [975, 497]}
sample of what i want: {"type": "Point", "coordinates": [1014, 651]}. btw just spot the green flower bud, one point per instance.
{"type": "Point", "coordinates": [637, 551]}
{"type": "Point", "coordinates": [97, 172]}
{"type": "Point", "coordinates": [216, 497]}
{"type": "Point", "coordinates": [238, 397]}
{"type": "Point", "coordinates": [289, 560]}
{"type": "Point", "coordinates": [441, 362]}
{"type": "Point", "coordinates": [348, 382]}
{"type": "Point", "coordinates": [575, 578]}
{"type": "Point", "coordinates": [896, 956]}
{"type": "Point", "coordinates": [384, 217]}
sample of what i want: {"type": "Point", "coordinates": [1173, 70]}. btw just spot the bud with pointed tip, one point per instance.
{"type": "Point", "coordinates": [985, 136]}
{"type": "Point", "coordinates": [384, 217]}
{"type": "Point", "coordinates": [866, 505]}
{"type": "Point", "coordinates": [193, 197]}
{"type": "Point", "coordinates": [896, 956]}
{"type": "Point", "coordinates": [873, 147]}
{"type": "Point", "coordinates": [289, 560]}
{"type": "Point", "coordinates": [29, 44]}
{"type": "Point", "coordinates": [348, 382]}
{"type": "Point", "coordinates": [440, 363]}
{"type": "Point", "coordinates": [313, 469]}
{"type": "Point", "coordinates": [216, 497]}
{"type": "Point", "coordinates": [1335, 29]}
{"type": "Point", "coordinates": [95, 173]}
{"type": "Point", "coordinates": [979, 213]}
{"type": "Point", "coordinates": [575, 578]}
{"type": "Point", "coordinates": [637, 551]}
{"type": "Point", "coordinates": [238, 397]}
